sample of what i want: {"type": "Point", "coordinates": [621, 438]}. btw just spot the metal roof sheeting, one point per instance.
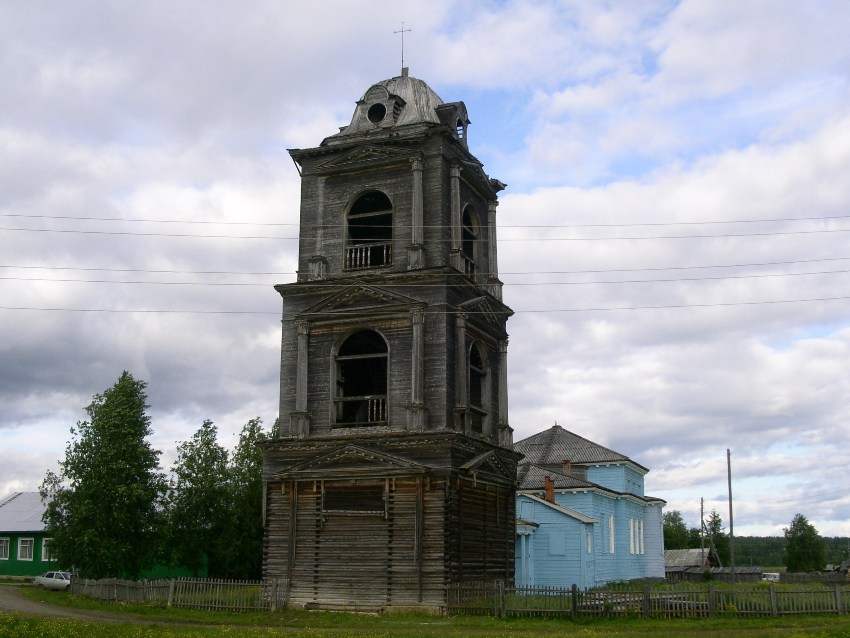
{"type": "Point", "coordinates": [555, 445]}
{"type": "Point", "coordinates": [22, 512]}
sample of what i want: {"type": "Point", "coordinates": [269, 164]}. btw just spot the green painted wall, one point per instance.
{"type": "Point", "coordinates": [13, 566]}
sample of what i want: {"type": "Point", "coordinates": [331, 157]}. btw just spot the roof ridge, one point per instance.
{"type": "Point", "coordinates": [10, 499]}
{"type": "Point", "coordinates": [553, 431]}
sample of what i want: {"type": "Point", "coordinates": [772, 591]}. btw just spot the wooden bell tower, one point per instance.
{"type": "Point", "coordinates": [392, 473]}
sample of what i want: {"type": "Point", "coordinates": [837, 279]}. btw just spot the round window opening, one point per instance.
{"type": "Point", "coordinates": [376, 113]}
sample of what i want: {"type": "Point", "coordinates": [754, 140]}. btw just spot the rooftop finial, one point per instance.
{"type": "Point", "coordinates": [402, 31]}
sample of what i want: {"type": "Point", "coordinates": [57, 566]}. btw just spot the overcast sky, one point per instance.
{"type": "Point", "coordinates": [673, 237]}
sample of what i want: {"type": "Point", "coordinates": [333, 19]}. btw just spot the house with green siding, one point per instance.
{"type": "Point", "coordinates": [24, 547]}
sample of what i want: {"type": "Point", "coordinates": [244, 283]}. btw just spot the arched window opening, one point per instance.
{"type": "Point", "coordinates": [369, 232]}
{"type": "Point", "coordinates": [477, 390]}
{"type": "Point", "coordinates": [361, 380]}
{"type": "Point", "coordinates": [469, 240]}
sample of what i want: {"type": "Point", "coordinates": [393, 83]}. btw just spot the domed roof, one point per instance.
{"type": "Point", "coordinates": [394, 102]}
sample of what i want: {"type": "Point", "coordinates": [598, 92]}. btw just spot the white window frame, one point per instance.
{"type": "Point", "coordinates": [590, 542]}
{"type": "Point", "coordinates": [21, 542]}
{"type": "Point", "coordinates": [632, 536]}
{"type": "Point", "coordinates": [611, 546]}
{"type": "Point", "coordinates": [640, 536]}
{"type": "Point", "coordinates": [46, 557]}
{"type": "Point", "coordinates": [4, 548]}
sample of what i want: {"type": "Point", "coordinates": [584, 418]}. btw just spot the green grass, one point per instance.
{"type": "Point", "coordinates": [317, 626]}
{"type": "Point", "coordinates": [139, 621]}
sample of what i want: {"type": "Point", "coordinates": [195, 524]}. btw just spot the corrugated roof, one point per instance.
{"type": "Point", "coordinates": [560, 508]}
{"type": "Point", "coordinates": [22, 512]}
{"type": "Point", "coordinates": [555, 445]}
{"type": "Point", "coordinates": [531, 477]}
{"type": "Point", "coordinates": [687, 557]}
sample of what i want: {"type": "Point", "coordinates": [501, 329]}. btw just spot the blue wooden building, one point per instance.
{"type": "Point", "coordinates": [582, 515]}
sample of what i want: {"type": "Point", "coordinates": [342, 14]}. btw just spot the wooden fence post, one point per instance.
{"type": "Point", "coordinates": [712, 600]}
{"type": "Point", "coordinates": [646, 603]}
{"type": "Point", "coordinates": [501, 599]}
{"type": "Point", "coordinates": [774, 606]}
{"type": "Point", "coordinates": [574, 593]}
{"type": "Point", "coordinates": [839, 599]}
{"type": "Point", "coordinates": [170, 592]}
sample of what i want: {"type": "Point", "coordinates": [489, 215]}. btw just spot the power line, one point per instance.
{"type": "Point", "coordinates": [258, 223]}
{"type": "Point", "coordinates": [446, 312]}
{"type": "Point", "coordinates": [344, 284]}
{"type": "Point", "coordinates": [482, 240]}
{"type": "Point", "coordinates": [153, 271]}
{"type": "Point", "coordinates": [144, 311]}
{"type": "Point", "coordinates": [525, 272]}
{"type": "Point", "coordinates": [137, 234]}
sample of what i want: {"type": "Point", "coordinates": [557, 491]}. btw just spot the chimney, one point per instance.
{"type": "Point", "coordinates": [567, 467]}
{"type": "Point", "coordinates": [549, 489]}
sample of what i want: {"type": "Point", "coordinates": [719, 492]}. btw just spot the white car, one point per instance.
{"type": "Point", "coordinates": [53, 580]}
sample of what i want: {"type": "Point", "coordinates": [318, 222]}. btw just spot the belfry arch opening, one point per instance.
{"type": "Point", "coordinates": [361, 380]}
{"type": "Point", "coordinates": [477, 389]}
{"type": "Point", "coordinates": [369, 232]}
{"type": "Point", "coordinates": [469, 241]}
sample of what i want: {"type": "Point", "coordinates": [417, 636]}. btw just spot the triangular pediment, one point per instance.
{"type": "Point", "coordinates": [489, 463]}
{"type": "Point", "coordinates": [360, 300]}
{"type": "Point", "coordinates": [352, 461]}
{"type": "Point", "coordinates": [486, 310]}
{"type": "Point", "coordinates": [367, 156]}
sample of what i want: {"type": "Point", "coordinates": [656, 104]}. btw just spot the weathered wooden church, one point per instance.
{"type": "Point", "coordinates": [392, 473]}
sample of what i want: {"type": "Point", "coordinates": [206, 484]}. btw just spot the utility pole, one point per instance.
{"type": "Point", "coordinates": [702, 531]}
{"type": "Point", "coordinates": [731, 528]}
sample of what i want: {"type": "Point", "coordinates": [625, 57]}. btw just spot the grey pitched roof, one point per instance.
{"type": "Point", "coordinates": [689, 557]}
{"type": "Point", "coordinates": [21, 512]}
{"type": "Point", "coordinates": [561, 508]}
{"type": "Point", "coordinates": [531, 477]}
{"type": "Point", "coordinates": [556, 444]}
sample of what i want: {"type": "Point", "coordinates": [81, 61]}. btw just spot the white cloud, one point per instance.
{"type": "Point", "coordinates": [620, 115]}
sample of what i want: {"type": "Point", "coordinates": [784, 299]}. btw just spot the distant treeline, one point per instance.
{"type": "Point", "coordinates": [766, 551]}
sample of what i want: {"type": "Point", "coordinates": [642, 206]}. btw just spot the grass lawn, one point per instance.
{"type": "Point", "coordinates": [138, 621]}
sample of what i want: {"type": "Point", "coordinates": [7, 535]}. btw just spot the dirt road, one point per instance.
{"type": "Point", "coordinates": [12, 600]}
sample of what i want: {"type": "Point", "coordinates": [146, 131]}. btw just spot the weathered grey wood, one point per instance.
{"type": "Point", "coordinates": [447, 507]}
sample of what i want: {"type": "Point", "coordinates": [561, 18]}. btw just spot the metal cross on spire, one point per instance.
{"type": "Point", "coordinates": [402, 31]}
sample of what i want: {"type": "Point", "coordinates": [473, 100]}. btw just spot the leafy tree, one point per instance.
{"type": "Point", "coordinates": [103, 507]}
{"type": "Point", "coordinates": [675, 530]}
{"type": "Point", "coordinates": [717, 537]}
{"type": "Point", "coordinates": [695, 538]}
{"type": "Point", "coordinates": [804, 548]}
{"type": "Point", "coordinates": [246, 484]}
{"type": "Point", "coordinates": [199, 503]}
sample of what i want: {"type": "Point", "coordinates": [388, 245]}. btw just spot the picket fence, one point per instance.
{"type": "Point", "coordinates": [501, 600]}
{"type": "Point", "coordinates": [189, 593]}
{"type": "Point", "coordinates": [673, 601]}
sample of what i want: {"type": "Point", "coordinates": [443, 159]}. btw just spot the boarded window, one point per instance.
{"type": "Point", "coordinates": [357, 499]}
{"type": "Point", "coordinates": [477, 390]}
{"type": "Point", "coordinates": [469, 241]}
{"type": "Point", "coordinates": [557, 546]}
